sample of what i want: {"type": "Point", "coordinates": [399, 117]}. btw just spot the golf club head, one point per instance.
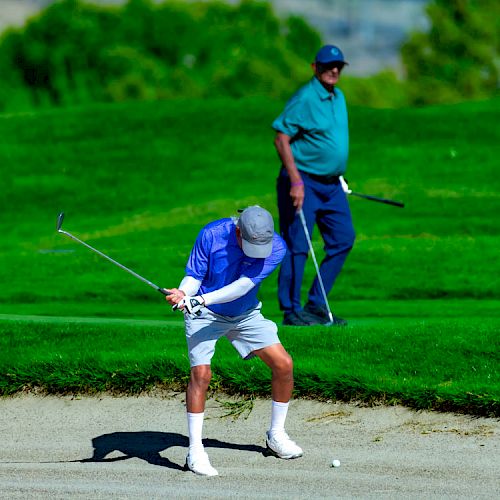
{"type": "Point", "coordinates": [60, 219]}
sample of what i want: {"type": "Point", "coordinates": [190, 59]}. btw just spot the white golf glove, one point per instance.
{"type": "Point", "coordinates": [192, 305]}
{"type": "Point", "coordinates": [344, 185]}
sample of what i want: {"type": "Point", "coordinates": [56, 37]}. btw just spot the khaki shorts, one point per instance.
{"type": "Point", "coordinates": [247, 332]}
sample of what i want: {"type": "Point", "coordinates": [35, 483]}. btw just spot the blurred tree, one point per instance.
{"type": "Point", "coordinates": [382, 90]}
{"type": "Point", "coordinates": [14, 94]}
{"type": "Point", "coordinates": [75, 52]}
{"type": "Point", "coordinates": [59, 52]}
{"type": "Point", "coordinates": [459, 57]}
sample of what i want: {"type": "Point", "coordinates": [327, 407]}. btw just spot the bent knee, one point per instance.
{"type": "Point", "coordinates": [342, 245]}
{"type": "Point", "coordinates": [283, 365]}
{"type": "Point", "coordinates": [348, 239]}
{"type": "Point", "coordinates": [201, 375]}
{"type": "Point", "coordinates": [349, 242]}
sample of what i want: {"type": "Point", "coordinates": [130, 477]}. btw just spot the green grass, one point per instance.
{"type": "Point", "coordinates": [139, 180]}
{"type": "Point", "coordinates": [438, 363]}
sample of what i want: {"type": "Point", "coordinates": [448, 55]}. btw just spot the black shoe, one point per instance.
{"type": "Point", "coordinates": [321, 314]}
{"type": "Point", "coordinates": [299, 318]}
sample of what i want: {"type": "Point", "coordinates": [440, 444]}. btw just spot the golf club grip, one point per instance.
{"type": "Point", "coordinates": [379, 200]}
{"type": "Point", "coordinates": [163, 291]}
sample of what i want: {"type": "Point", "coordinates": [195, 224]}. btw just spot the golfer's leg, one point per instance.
{"type": "Point", "coordinates": [201, 335]}
{"type": "Point", "coordinates": [195, 405]}
{"type": "Point", "coordinates": [197, 460]}
{"type": "Point", "coordinates": [197, 388]}
{"type": "Point", "coordinates": [281, 365]}
{"type": "Point", "coordinates": [292, 268]}
{"type": "Point", "coordinates": [335, 225]}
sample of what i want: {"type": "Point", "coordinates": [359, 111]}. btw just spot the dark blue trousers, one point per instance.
{"type": "Point", "coordinates": [325, 205]}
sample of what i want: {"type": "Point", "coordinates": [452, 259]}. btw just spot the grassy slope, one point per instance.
{"type": "Point", "coordinates": [138, 181]}
{"type": "Point", "coordinates": [442, 364]}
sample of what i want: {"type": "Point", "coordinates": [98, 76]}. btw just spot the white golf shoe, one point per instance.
{"type": "Point", "coordinates": [199, 463]}
{"type": "Point", "coordinates": [280, 444]}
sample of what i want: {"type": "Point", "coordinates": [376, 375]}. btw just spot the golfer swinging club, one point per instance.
{"type": "Point", "coordinates": [218, 295]}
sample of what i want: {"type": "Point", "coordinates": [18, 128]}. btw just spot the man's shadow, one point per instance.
{"type": "Point", "coordinates": [147, 446]}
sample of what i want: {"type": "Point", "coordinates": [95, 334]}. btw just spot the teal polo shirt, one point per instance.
{"type": "Point", "coordinates": [317, 123]}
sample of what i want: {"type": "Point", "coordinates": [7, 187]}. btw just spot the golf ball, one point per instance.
{"type": "Point", "coordinates": [335, 463]}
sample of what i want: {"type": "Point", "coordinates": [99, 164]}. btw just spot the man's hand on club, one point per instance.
{"type": "Point", "coordinates": [297, 194]}
{"type": "Point", "coordinates": [175, 297]}
{"type": "Point", "coordinates": [188, 305]}
{"type": "Point", "coordinates": [345, 187]}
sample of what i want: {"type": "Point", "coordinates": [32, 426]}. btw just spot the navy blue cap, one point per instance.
{"type": "Point", "coordinates": [328, 54]}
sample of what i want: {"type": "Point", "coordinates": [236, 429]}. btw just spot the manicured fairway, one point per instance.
{"type": "Point", "coordinates": [421, 288]}
{"type": "Point", "coordinates": [137, 181]}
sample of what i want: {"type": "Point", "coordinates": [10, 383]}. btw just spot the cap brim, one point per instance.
{"type": "Point", "coordinates": [256, 251]}
{"type": "Point", "coordinates": [345, 63]}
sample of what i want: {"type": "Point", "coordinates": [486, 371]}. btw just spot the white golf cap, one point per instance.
{"type": "Point", "coordinates": [257, 230]}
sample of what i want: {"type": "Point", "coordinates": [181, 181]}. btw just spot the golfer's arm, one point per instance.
{"type": "Point", "coordinates": [230, 292]}
{"type": "Point", "coordinates": [282, 145]}
{"type": "Point", "coordinates": [190, 286]}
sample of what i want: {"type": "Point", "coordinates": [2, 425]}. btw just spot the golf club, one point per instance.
{"type": "Point", "coordinates": [60, 219]}
{"type": "Point", "coordinates": [379, 200]}
{"type": "Point", "coordinates": [311, 249]}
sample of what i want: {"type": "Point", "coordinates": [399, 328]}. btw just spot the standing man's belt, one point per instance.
{"type": "Point", "coordinates": [324, 179]}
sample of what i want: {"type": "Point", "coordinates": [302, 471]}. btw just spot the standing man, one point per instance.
{"type": "Point", "coordinates": [218, 295]}
{"type": "Point", "coordinates": [312, 141]}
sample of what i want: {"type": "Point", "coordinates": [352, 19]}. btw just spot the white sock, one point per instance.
{"type": "Point", "coordinates": [278, 416]}
{"type": "Point", "coordinates": [195, 429]}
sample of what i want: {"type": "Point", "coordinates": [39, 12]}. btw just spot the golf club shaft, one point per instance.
{"type": "Point", "coordinates": [144, 280]}
{"type": "Point", "coordinates": [377, 199]}
{"type": "Point", "coordinates": [311, 249]}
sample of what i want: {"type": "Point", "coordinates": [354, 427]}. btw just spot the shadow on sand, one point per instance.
{"type": "Point", "coordinates": [148, 445]}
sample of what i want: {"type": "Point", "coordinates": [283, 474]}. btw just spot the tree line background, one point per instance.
{"type": "Point", "coordinates": [74, 53]}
